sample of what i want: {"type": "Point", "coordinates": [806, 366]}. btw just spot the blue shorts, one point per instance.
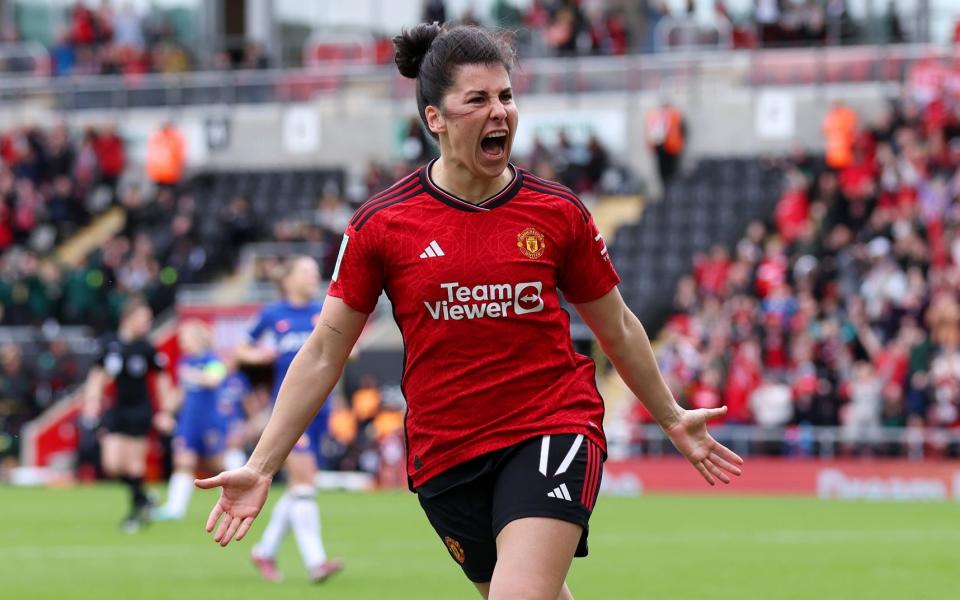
{"type": "Point", "coordinates": [203, 438]}
{"type": "Point", "coordinates": [312, 439]}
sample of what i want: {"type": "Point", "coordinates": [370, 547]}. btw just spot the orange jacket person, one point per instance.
{"type": "Point", "coordinates": [839, 129]}
{"type": "Point", "coordinates": [165, 156]}
{"type": "Point", "coordinates": [665, 134]}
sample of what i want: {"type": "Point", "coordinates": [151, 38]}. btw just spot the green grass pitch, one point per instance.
{"type": "Point", "coordinates": [64, 544]}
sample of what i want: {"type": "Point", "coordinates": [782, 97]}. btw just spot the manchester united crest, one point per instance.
{"type": "Point", "coordinates": [456, 551]}
{"type": "Point", "coordinates": [531, 244]}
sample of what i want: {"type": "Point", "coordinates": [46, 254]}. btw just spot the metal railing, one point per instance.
{"type": "Point", "coordinates": [915, 443]}
{"type": "Point", "coordinates": [24, 58]}
{"type": "Point", "coordinates": [693, 72]}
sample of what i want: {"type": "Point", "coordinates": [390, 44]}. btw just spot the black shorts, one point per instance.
{"type": "Point", "coordinates": [556, 476]}
{"type": "Point", "coordinates": [134, 421]}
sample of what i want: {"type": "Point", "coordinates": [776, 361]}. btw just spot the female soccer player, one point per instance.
{"type": "Point", "coordinates": [201, 430]}
{"type": "Point", "coordinates": [504, 437]}
{"type": "Point", "coordinates": [126, 359]}
{"type": "Point", "coordinates": [277, 335]}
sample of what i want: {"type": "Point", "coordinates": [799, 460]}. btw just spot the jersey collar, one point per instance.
{"type": "Point", "coordinates": [498, 199]}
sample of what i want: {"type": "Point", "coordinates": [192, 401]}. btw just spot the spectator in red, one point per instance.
{"type": "Point", "coordinates": [743, 377]}
{"type": "Point", "coordinates": [6, 231]}
{"type": "Point", "coordinates": [706, 391]}
{"type": "Point", "coordinates": [711, 272]}
{"type": "Point", "coordinates": [793, 209]}
{"type": "Point", "coordinates": [83, 29]}
{"type": "Point", "coordinates": [617, 38]}
{"type": "Point", "coordinates": [537, 16]}
{"type": "Point", "coordinates": [111, 157]}
{"type": "Point", "coordinates": [772, 270]}
{"type": "Point", "coordinates": [26, 208]}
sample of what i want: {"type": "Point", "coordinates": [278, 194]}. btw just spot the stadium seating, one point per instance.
{"type": "Point", "coordinates": [710, 205]}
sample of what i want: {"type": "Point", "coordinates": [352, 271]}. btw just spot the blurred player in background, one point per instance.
{"type": "Point", "coordinates": [233, 399]}
{"type": "Point", "coordinates": [277, 335]}
{"type": "Point", "coordinates": [126, 359]}
{"type": "Point", "coordinates": [505, 443]}
{"type": "Point", "coordinates": [201, 425]}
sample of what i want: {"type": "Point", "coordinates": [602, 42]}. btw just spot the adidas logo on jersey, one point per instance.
{"type": "Point", "coordinates": [560, 492]}
{"type": "Point", "coordinates": [433, 250]}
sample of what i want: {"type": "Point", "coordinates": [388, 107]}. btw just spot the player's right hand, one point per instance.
{"type": "Point", "coordinates": [242, 495]}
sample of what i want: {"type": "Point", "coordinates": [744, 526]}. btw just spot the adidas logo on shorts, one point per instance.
{"type": "Point", "coordinates": [560, 492]}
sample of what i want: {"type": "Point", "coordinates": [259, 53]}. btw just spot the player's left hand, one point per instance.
{"type": "Point", "coordinates": [711, 458]}
{"type": "Point", "coordinates": [164, 422]}
{"type": "Point", "coordinates": [243, 493]}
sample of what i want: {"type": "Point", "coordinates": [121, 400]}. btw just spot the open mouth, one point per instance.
{"type": "Point", "coordinates": [494, 144]}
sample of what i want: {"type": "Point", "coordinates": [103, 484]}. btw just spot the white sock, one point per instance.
{"type": "Point", "coordinates": [276, 529]}
{"type": "Point", "coordinates": [178, 494]}
{"type": "Point", "coordinates": [305, 519]}
{"type": "Point", "coordinates": [234, 458]}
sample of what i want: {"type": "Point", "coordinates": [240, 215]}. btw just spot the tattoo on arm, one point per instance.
{"type": "Point", "coordinates": [330, 326]}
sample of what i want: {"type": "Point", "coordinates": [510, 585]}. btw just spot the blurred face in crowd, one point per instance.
{"type": "Point", "coordinates": [138, 323]}
{"type": "Point", "coordinates": [303, 280]}
{"type": "Point", "coordinates": [477, 120]}
{"type": "Point", "coordinates": [194, 337]}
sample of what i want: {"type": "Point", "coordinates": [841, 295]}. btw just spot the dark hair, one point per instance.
{"type": "Point", "coordinates": [431, 54]}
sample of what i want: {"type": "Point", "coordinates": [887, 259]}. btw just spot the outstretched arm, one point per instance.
{"type": "Point", "coordinates": [312, 375]}
{"type": "Point", "coordinates": [625, 342]}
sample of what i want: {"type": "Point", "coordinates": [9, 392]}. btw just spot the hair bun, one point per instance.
{"type": "Point", "coordinates": [412, 46]}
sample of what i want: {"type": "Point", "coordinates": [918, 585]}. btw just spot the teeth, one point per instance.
{"type": "Point", "coordinates": [497, 134]}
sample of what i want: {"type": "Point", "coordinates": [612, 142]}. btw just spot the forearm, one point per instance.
{"type": "Point", "coordinates": [169, 395]}
{"type": "Point", "coordinates": [305, 387]}
{"type": "Point", "coordinates": [93, 393]}
{"type": "Point", "coordinates": [633, 357]}
{"type": "Point", "coordinates": [249, 354]}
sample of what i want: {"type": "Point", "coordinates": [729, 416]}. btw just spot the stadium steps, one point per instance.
{"type": "Point", "coordinates": [74, 250]}
{"type": "Point", "coordinates": [610, 212]}
{"type": "Point", "coordinates": [711, 205]}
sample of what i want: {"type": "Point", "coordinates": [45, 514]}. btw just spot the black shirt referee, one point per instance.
{"type": "Point", "coordinates": [126, 359]}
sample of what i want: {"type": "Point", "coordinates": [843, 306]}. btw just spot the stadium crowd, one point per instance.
{"type": "Point", "coordinates": [843, 309]}
{"type": "Point", "coordinates": [99, 38]}
{"type": "Point", "coordinates": [107, 40]}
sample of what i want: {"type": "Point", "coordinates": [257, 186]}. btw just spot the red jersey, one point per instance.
{"type": "Point", "coordinates": [488, 359]}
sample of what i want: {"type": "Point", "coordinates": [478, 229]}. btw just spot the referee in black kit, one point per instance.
{"type": "Point", "coordinates": [126, 359]}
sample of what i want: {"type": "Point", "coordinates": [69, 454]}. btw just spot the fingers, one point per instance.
{"type": "Point", "coordinates": [231, 531]}
{"type": "Point", "coordinates": [715, 470]}
{"type": "Point", "coordinates": [727, 454]}
{"type": "Point", "coordinates": [703, 471]}
{"type": "Point", "coordinates": [221, 537]}
{"type": "Point", "coordinates": [210, 482]}
{"type": "Point", "coordinates": [724, 464]}
{"type": "Point", "coordinates": [244, 528]}
{"type": "Point", "coordinates": [713, 413]}
{"type": "Point", "coordinates": [214, 515]}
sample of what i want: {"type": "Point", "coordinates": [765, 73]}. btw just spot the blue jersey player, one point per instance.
{"type": "Point", "coordinates": [279, 332]}
{"type": "Point", "coordinates": [201, 429]}
{"type": "Point", "coordinates": [231, 399]}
